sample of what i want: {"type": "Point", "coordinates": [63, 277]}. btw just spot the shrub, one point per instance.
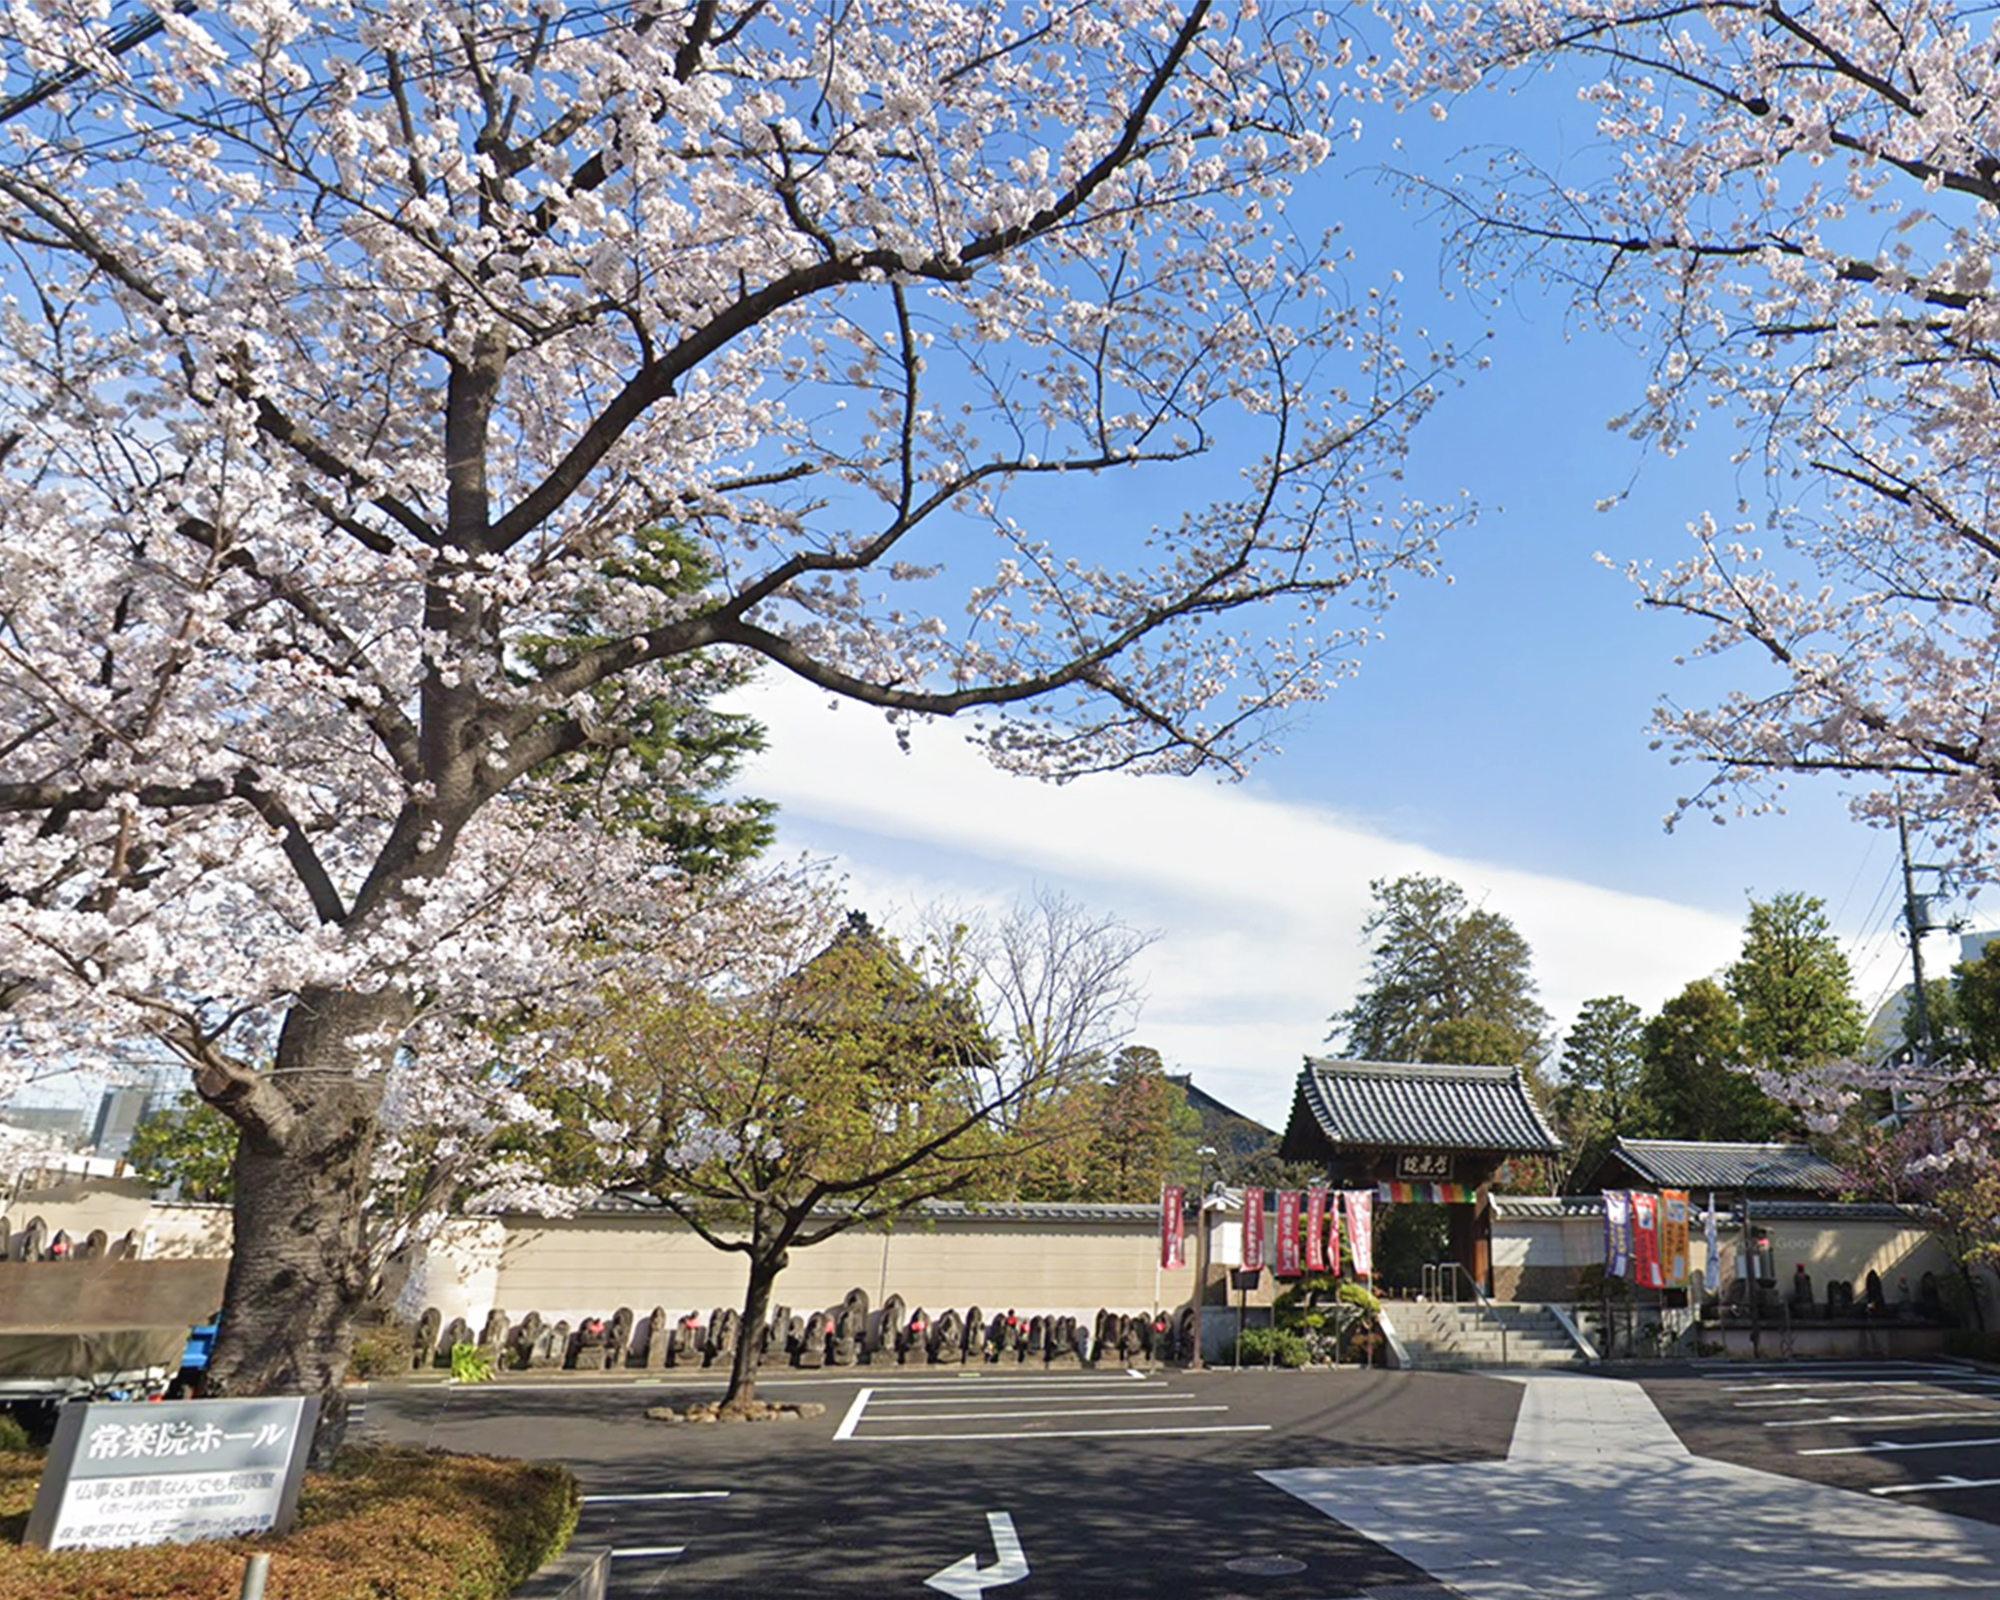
{"type": "Point", "coordinates": [1264, 1346]}
{"type": "Point", "coordinates": [381, 1351]}
{"type": "Point", "coordinates": [1354, 1294]}
{"type": "Point", "coordinates": [470, 1364]}
{"type": "Point", "coordinates": [12, 1435]}
{"type": "Point", "coordinates": [385, 1524]}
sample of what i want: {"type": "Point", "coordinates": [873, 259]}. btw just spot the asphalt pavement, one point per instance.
{"type": "Point", "coordinates": [1096, 1486]}
{"type": "Point", "coordinates": [1800, 1481]}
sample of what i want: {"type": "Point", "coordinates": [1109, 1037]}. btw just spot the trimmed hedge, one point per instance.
{"type": "Point", "coordinates": [385, 1524]}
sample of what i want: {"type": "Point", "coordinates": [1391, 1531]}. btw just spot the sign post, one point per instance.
{"type": "Point", "coordinates": [120, 1475]}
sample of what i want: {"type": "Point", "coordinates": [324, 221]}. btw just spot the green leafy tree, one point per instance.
{"type": "Point", "coordinates": [1690, 1080]}
{"type": "Point", "coordinates": [1598, 1096]}
{"type": "Point", "coordinates": [1972, 1020]}
{"type": "Point", "coordinates": [686, 752]}
{"type": "Point", "coordinates": [1142, 1133]}
{"type": "Point", "coordinates": [777, 1097]}
{"type": "Point", "coordinates": [190, 1150]}
{"type": "Point", "coordinates": [1446, 982]}
{"type": "Point", "coordinates": [1795, 988]}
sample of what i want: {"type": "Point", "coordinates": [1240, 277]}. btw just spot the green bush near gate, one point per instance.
{"type": "Point", "coordinates": [1261, 1347]}
{"type": "Point", "coordinates": [385, 1524]}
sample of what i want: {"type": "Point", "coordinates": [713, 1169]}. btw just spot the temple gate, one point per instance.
{"type": "Point", "coordinates": [1418, 1131]}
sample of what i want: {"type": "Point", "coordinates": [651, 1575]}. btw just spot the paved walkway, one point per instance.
{"type": "Point", "coordinates": [1598, 1500]}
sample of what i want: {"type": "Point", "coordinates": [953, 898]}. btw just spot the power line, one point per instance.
{"type": "Point", "coordinates": [129, 37]}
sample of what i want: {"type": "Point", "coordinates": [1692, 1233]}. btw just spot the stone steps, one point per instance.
{"type": "Point", "coordinates": [1441, 1336]}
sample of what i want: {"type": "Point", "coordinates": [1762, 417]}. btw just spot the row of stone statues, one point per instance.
{"type": "Point", "coordinates": [36, 1243]}
{"type": "Point", "coordinates": [849, 1334]}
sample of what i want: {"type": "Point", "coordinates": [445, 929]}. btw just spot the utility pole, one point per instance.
{"type": "Point", "coordinates": [1205, 1155]}
{"type": "Point", "coordinates": [1917, 922]}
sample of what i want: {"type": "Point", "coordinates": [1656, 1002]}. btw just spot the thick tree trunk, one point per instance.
{"type": "Point", "coordinates": [299, 1271]}
{"type": "Point", "coordinates": [765, 1265]}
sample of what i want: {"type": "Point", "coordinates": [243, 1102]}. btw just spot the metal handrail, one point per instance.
{"type": "Point", "coordinates": [1437, 1275]}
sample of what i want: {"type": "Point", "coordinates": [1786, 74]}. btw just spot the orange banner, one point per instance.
{"type": "Point", "coordinates": [1674, 1237]}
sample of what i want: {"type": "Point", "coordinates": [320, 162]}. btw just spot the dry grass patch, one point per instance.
{"type": "Point", "coordinates": [385, 1524]}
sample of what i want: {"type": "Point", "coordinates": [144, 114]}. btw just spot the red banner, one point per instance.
{"type": "Point", "coordinates": [1333, 1234]}
{"type": "Point", "coordinates": [1645, 1240]}
{"type": "Point", "coordinates": [1288, 1264]}
{"type": "Point", "coordinates": [1173, 1225]}
{"type": "Point", "coordinates": [1253, 1230]}
{"type": "Point", "coordinates": [1316, 1231]}
{"type": "Point", "coordinates": [1361, 1230]}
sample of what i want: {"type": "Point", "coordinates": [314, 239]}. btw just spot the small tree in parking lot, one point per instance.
{"type": "Point", "coordinates": [816, 1079]}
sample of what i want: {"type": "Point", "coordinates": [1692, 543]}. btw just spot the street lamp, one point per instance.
{"type": "Point", "coordinates": [1204, 1155]}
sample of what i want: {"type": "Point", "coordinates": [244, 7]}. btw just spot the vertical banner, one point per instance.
{"type": "Point", "coordinates": [1173, 1223]}
{"type": "Point", "coordinates": [1333, 1234]}
{"type": "Point", "coordinates": [1287, 1264]}
{"type": "Point", "coordinates": [1674, 1237]}
{"type": "Point", "coordinates": [1253, 1230]}
{"type": "Point", "coordinates": [1617, 1234]}
{"type": "Point", "coordinates": [1361, 1230]}
{"type": "Point", "coordinates": [1316, 1230]}
{"type": "Point", "coordinates": [1711, 1267]}
{"type": "Point", "coordinates": [1645, 1240]}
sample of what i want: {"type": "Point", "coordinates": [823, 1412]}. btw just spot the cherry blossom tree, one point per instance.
{"type": "Point", "coordinates": [1920, 1134]}
{"type": "Point", "coordinates": [1795, 205]}
{"type": "Point", "coordinates": [351, 355]}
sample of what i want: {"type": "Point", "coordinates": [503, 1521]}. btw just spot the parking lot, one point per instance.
{"type": "Point", "coordinates": [1110, 1485]}
{"type": "Point", "coordinates": [1086, 1485]}
{"type": "Point", "coordinates": [1928, 1433]}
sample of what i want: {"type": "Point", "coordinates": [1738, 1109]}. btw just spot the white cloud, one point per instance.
{"type": "Point", "coordinates": [1258, 902]}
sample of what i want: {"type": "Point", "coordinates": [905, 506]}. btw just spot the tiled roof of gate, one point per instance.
{"type": "Point", "coordinates": [1551, 1207]}
{"type": "Point", "coordinates": [1694, 1164]}
{"type": "Point", "coordinates": [1395, 1105]}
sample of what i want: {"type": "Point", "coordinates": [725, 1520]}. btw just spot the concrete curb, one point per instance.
{"type": "Point", "coordinates": [582, 1572]}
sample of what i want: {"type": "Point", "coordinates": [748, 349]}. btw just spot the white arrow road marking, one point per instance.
{"type": "Point", "coordinates": [965, 1579]}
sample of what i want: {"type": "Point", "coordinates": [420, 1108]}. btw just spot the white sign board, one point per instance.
{"type": "Point", "coordinates": [129, 1474]}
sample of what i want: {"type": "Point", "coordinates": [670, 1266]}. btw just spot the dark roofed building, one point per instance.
{"type": "Point", "coordinates": [1354, 1115]}
{"type": "Point", "coordinates": [1419, 1132]}
{"type": "Point", "coordinates": [1235, 1138]}
{"type": "Point", "coordinates": [1761, 1171]}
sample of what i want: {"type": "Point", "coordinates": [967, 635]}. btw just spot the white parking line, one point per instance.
{"type": "Point", "coordinates": [1912, 1416]}
{"type": "Point", "coordinates": [1124, 1392]}
{"type": "Point", "coordinates": [658, 1494]}
{"type": "Point", "coordinates": [1057, 1433]}
{"type": "Point", "coordinates": [985, 1384]}
{"type": "Point", "coordinates": [1890, 1444]}
{"type": "Point", "coordinates": [1847, 1369]}
{"type": "Point", "coordinates": [635, 1550]}
{"type": "Point", "coordinates": [1939, 1484]}
{"type": "Point", "coordinates": [1066, 1411]}
{"type": "Point", "coordinates": [1866, 1383]}
{"type": "Point", "coordinates": [849, 1422]}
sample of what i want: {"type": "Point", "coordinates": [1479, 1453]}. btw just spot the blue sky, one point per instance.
{"type": "Point", "coordinates": [1497, 735]}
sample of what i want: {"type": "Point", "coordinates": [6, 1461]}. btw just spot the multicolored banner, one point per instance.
{"type": "Point", "coordinates": [1645, 1240]}
{"type": "Point", "coordinates": [1253, 1230]}
{"type": "Point", "coordinates": [1617, 1233]}
{"type": "Point", "coordinates": [1288, 1264]}
{"type": "Point", "coordinates": [1436, 1193]}
{"type": "Point", "coordinates": [1674, 1237]}
{"type": "Point", "coordinates": [1173, 1227]}
{"type": "Point", "coordinates": [1316, 1231]}
{"type": "Point", "coordinates": [1360, 1205]}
